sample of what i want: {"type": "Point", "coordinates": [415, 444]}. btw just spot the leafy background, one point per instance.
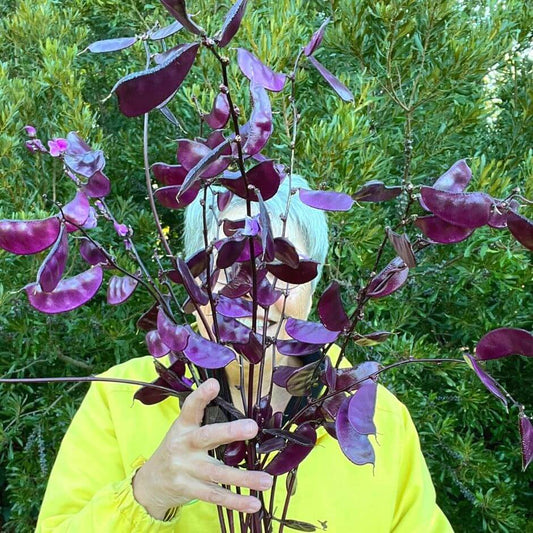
{"type": "Point", "coordinates": [452, 79]}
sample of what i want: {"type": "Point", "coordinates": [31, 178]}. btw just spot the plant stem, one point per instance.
{"type": "Point", "coordinates": [290, 489]}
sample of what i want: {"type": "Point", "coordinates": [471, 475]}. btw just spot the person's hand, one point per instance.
{"type": "Point", "coordinates": [181, 470]}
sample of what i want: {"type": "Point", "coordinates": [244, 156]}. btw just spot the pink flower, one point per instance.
{"type": "Point", "coordinates": [57, 146]}
{"type": "Point", "coordinates": [121, 229]}
{"type": "Point", "coordinates": [30, 131]}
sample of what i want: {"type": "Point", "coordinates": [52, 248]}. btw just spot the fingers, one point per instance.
{"type": "Point", "coordinates": [213, 435]}
{"type": "Point", "coordinates": [217, 472]}
{"type": "Point", "coordinates": [219, 496]}
{"type": "Point", "coordinates": [194, 406]}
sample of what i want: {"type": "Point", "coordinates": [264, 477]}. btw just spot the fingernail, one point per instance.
{"type": "Point", "coordinates": [266, 482]}
{"type": "Point", "coordinates": [255, 506]}
{"type": "Point", "coordinates": [250, 427]}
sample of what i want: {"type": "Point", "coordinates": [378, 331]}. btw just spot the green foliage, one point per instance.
{"type": "Point", "coordinates": [433, 82]}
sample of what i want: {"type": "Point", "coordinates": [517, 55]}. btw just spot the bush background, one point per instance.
{"type": "Point", "coordinates": [451, 78]}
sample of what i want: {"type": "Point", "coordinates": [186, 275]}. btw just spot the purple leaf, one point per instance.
{"type": "Point", "coordinates": [76, 211]}
{"type": "Point", "coordinates": [503, 342]}
{"type": "Point", "coordinates": [169, 174]}
{"type": "Point", "coordinates": [326, 200]}
{"type": "Point", "coordinates": [155, 345]}
{"type": "Point", "coordinates": [92, 254]}
{"type": "Point", "coordinates": [25, 237]}
{"type": "Point", "coordinates": [260, 123]}
{"type": "Point", "coordinates": [299, 383]}
{"type": "Point", "coordinates": [330, 309]}
{"type": "Point", "coordinates": [296, 348]}
{"type": "Point", "coordinates": [376, 191]}
{"type": "Point", "coordinates": [173, 335]}
{"type": "Point", "coordinates": [469, 210]}
{"type": "Point", "coordinates": [403, 247]}
{"type": "Point", "coordinates": [335, 83]}
{"type": "Point", "coordinates": [178, 10]}
{"type": "Point", "coordinates": [231, 23]}
{"type": "Point", "coordinates": [53, 266]}
{"type": "Point", "coordinates": [167, 31]}
{"type": "Point", "coordinates": [235, 453]}
{"type": "Point", "coordinates": [330, 407]}
{"type": "Point", "coordinates": [111, 45]}
{"type": "Point", "coordinates": [293, 454]}
{"type": "Point", "coordinates": [193, 290]}
{"type": "Point", "coordinates": [267, 240]}
{"type": "Point", "coordinates": [97, 186]}
{"type": "Point", "coordinates": [120, 288]}
{"type": "Point", "coordinates": [68, 295]}
{"type": "Point", "coordinates": [148, 320]}
{"type": "Point", "coordinates": [198, 262]}
{"type": "Point", "coordinates": [234, 307]}
{"type": "Point", "coordinates": [354, 445]}
{"type": "Point", "coordinates": [521, 228]}
{"type": "Point", "coordinates": [371, 339]}
{"type": "Point", "coordinates": [219, 113]}
{"type": "Point", "coordinates": [140, 92]}
{"type": "Point", "coordinates": [170, 197]}
{"type": "Point", "coordinates": [438, 230]}
{"type": "Point", "coordinates": [389, 280]}
{"type": "Point", "coordinates": [207, 354]}
{"type": "Point", "coordinates": [487, 380]}
{"type": "Point", "coordinates": [305, 272]}
{"type": "Point", "coordinates": [455, 179]}
{"type": "Point", "coordinates": [351, 378]}
{"type": "Point", "coordinates": [92, 219]}
{"type": "Point", "coordinates": [329, 374]}
{"type": "Point", "coordinates": [309, 332]}
{"type": "Point", "coordinates": [316, 39]}
{"type": "Point", "coordinates": [285, 252]}
{"type": "Point", "coordinates": [362, 407]}
{"type": "Point", "coordinates": [258, 73]}
{"type": "Point", "coordinates": [526, 440]}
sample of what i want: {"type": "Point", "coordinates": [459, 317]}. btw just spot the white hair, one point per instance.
{"type": "Point", "coordinates": [302, 220]}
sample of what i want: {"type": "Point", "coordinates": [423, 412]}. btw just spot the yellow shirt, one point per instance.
{"type": "Point", "coordinates": [112, 435]}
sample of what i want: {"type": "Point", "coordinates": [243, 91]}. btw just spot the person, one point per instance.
{"type": "Point", "coordinates": [126, 466]}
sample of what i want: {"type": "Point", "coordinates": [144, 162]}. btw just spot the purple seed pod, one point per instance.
{"type": "Point", "coordinates": [521, 228]}
{"type": "Point", "coordinates": [173, 335]}
{"type": "Point", "coordinates": [155, 345]}
{"type": "Point", "coordinates": [330, 309]}
{"type": "Point", "coordinates": [296, 348]}
{"type": "Point", "coordinates": [487, 380]}
{"type": "Point", "coordinates": [193, 290]}
{"type": "Point", "coordinates": [305, 272]}
{"type": "Point", "coordinates": [326, 200]}
{"type": "Point", "coordinates": [111, 45]}
{"type": "Point", "coordinates": [220, 112]}
{"type": "Point", "coordinates": [468, 210]}
{"type": "Point", "coordinates": [503, 342]}
{"type": "Point", "coordinates": [299, 383]}
{"type": "Point", "coordinates": [140, 92]}
{"type": "Point", "coordinates": [260, 123]}
{"type": "Point", "coordinates": [235, 453]}
{"type": "Point", "coordinates": [316, 39]}
{"type": "Point", "coordinates": [293, 454]}
{"type": "Point", "coordinates": [354, 445]}
{"type": "Point", "coordinates": [403, 247]}
{"type": "Point", "coordinates": [178, 10]}
{"type": "Point", "coordinates": [231, 23]}
{"type": "Point", "coordinates": [334, 82]}
{"type": "Point", "coordinates": [207, 354]}
{"type": "Point", "coordinates": [171, 198]}
{"type": "Point", "coordinates": [389, 280]}
{"type": "Point", "coordinates": [438, 230]}
{"type": "Point", "coordinates": [258, 73]}
{"type": "Point", "coordinates": [69, 293]}
{"type": "Point", "coordinates": [148, 320]}
{"type": "Point", "coordinates": [309, 332]}
{"type": "Point", "coordinates": [353, 378]}
{"type": "Point", "coordinates": [371, 339]}
{"type": "Point", "coordinates": [166, 31]}
{"type": "Point", "coordinates": [53, 266]}
{"type": "Point", "coordinates": [92, 254]}
{"type": "Point", "coordinates": [76, 211]}
{"type": "Point", "coordinates": [361, 408]}
{"type": "Point", "coordinates": [526, 440]}
{"type": "Point", "coordinates": [97, 186]}
{"type": "Point", "coordinates": [376, 191]}
{"type": "Point", "coordinates": [120, 288]}
{"type": "Point", "coordinates": [26, 237]}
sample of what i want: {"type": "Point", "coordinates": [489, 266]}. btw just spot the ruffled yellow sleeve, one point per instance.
{"type": "Point", "coordinates": [90, 489]}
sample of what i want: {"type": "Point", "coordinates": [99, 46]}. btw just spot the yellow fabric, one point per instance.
{"type": "Point", "coordinates": [111, 436]}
